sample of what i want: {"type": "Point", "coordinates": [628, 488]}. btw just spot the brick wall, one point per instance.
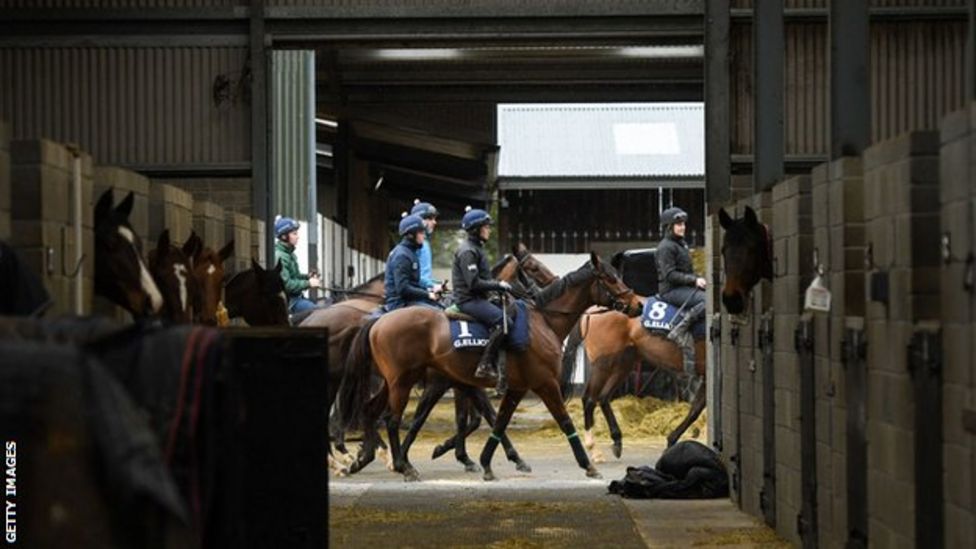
{"type": "Point", "coordinates": [957, 199]}
{"type": "Point", "coordinates": [169, 208]}
{"type": "Point", "coordinates": [4, 181]}
{"type": "Point", "coordinates": [209, 222]}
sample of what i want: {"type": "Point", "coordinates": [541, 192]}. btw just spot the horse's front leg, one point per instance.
{"type": "Point", "coordinates": [481, 402]}
{"type": "Point", "coordinates": [550, 395]}
{"type": "Point", "coordinates": [432, 393]}
{"type": "Point", "coordinates": [697, 405]}
{"type": "Point", "coordinates": [509, 402]}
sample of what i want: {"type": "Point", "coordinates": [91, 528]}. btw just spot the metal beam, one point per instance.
{"type": "Point", "coordinates": [717, 107]}
{"type": "Point", "coordinates": [768, 45]}
{"type": "Point", "coordinates": [850, 91]}
{"type": "Point", "coordinates": [971, 53]}
{"type": "Point", "coordinates": [261, 194]}
{"type": "Point", "coordinates": [877, 14]}
{"type": "Point", "coordinates": [596, 183]}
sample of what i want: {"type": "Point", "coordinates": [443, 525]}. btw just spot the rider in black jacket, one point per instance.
{"type": "Point", "coordinates": [677, 282]}
{"type": "Point", "coordinates": [472, 283]}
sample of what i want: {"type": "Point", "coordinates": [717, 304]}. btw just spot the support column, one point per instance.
{"type": "Point", "coordinates": [717, 107]}
{"type": "Point", "coordinates": [768, 46]}
{"type": "Point", "coordinates": [260, 180]}
{"type": "Point", "coordinates": [850, 109]}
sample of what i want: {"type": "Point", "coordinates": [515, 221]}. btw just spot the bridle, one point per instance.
{"type": "Point", "coordinates": [616, 303]}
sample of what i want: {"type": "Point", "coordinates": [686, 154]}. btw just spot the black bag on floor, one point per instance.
{"type": "Point", "coordinates": [687, 470]}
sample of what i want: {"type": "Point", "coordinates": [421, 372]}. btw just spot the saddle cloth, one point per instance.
{"type": "Point", "coordinates": [471, 334]}
{"type": "Point", "coordinates": [660, 316]}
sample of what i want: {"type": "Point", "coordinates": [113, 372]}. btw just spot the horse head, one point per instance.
{"type": "Point", "coordinates": [610, 291]}
{"type": "Point", "coordinates": [171, 269]}
{"type": "Point", "coordinates": [258, 295]}
{"type": "Point", "coordinates": [747, 257]}
{"type": "Point", "coordinates": [121, 275]}
{"type": "Point", "coordinates": [532, 267]}
{"type": "Point", "coordinates": [208, 271]}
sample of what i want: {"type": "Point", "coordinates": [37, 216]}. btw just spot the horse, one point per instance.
{"type": "Point", "coordinates": [257, 295]}
{"type": "Point", "coordinates": [747, 253]}
{"type": "Point", "coordinates": [613, 343]}
{"type": "Point", "coordinates": [404, 343]}
{"type": "Point", "coordinates": [121, 275]}
{"type": "Point", "coordinates": [171, 269]}
{"type": "Point", "coordinates": [208, 271]}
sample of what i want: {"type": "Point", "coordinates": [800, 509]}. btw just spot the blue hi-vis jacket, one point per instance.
{"type": "Point", "coordinates": [402, 282]}
{"type": "Point", "coordinates": [426, 257]}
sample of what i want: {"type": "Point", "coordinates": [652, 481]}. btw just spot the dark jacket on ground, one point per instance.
{"type": "Point", "coordinates": [402, 282]}
{"type": "Point", "coordinates": [674, 267]}
{"type": "Point", "coordinates": [470, 275]}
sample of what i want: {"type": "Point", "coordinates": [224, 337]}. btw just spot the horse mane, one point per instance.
{"type": "Point", "coordinates": [563, 284]}
{"type": "Point", "coordinates": [500, 264]}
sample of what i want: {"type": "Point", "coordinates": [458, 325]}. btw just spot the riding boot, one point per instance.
{"type": "Point", "coordinates": [488, 358]}
{"type": "Point", "coordinates": [681, 333]}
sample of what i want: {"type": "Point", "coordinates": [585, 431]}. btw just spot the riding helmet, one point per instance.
{"type": "Point", "coordinates": [474, 218]}
{"type": "Point", "coordinates": [284, 225]}
{"type": "Point", "coordinates": [671, 216]}
{"type": "Point", "coordinates": [411, 224]}
{"type": "Point", "coordinates": [426, 210]}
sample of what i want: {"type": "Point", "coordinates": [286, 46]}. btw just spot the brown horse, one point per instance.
{"type": "Point", "coordinates": [257, 295]}
{"type": "Point", "coordinates": [208, 271]}
{"type": "Point", "coordinates": [613, 343]}
{"type": "Point", "coordinates": [403, 344]}
{"type": "Point", "coordinates": [121, 275]}
{"type": "Point", "coordinates": [171, 269]}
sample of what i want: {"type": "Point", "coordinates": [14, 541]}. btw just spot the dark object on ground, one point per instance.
{"type": "Point", "coordinates": [687, 470]}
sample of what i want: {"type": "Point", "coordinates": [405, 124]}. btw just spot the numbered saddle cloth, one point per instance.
{"type": "Point", "coordinates": [466, 334]}
{"type": "Point", "coordinates": [660, 316]}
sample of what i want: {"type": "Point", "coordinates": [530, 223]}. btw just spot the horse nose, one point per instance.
{"type": "Point", "coordinates": [733, 302]}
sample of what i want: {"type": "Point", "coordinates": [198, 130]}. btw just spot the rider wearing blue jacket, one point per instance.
{"type": "Point", "coordinates": [428, 213]}
{"type": "Point", "coordinates": [402, 282]}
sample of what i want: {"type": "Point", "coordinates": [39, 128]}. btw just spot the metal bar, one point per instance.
{"type": "Point", "coordinates": [856, 395]}
{"type": "Point", "coordinates": [735, 456]}
{"type": "Point", "coordinates": [877, 13]}
{"type": "Point", "coordinates": [714, 383]}
{"type": "Point", "coordinates": [717, 108]}
{"type": "Point", "coordinates": [807, 521]}
{"type": "Point", "coordinates": [971, 53]}
{"type": "Point", "coordinates": [768, 50]}
{"type": "Point", "coordinates": [925, 362]}
{"type": "Point", "coordinates": [560, 183]}
{"type": "Point", "coordinates": [261, 195]}
{"type": "Point", "coordinates": [850, 93]}
{"type": "Point", "coordinates": [313, 206]}
{"type": "Point", "coordinates": [767, 497]}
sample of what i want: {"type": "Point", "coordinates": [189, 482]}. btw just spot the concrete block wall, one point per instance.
{"type": "Point", "coordinates": [901, 178]}
{"type": "Point", "coordinates": [259, 244]}
{"type": "Point", "coordinates": [123, 181]}
{"type": "Point", "coordinates": [4, 180]}
{"type": "Point", "coordinates": [792, 230]}
{"type": "Point", "coordinates": [239, 228]}
{"type": "Point", "coordinates": [957, 194]}
{"type": "Point", "coordinates": [169, 208]}
{"type": "Point", "coordinates": [209, 223]}
{"type": "Point", "coordinates": [233, 194]}
{"type": "Point", "coordinates": [42, 216]}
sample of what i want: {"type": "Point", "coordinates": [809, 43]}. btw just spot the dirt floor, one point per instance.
{"type": "Point", "coordinates": [553, 506]}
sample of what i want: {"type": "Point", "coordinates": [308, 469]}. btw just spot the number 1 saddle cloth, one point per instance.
{"type": "Point", "coordinates": [471, 334]}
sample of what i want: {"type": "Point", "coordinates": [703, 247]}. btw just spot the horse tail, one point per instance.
{"type": "Point", "coordinates": [354, 388]}
{"type": "Point", "coordinates": [569, 360]}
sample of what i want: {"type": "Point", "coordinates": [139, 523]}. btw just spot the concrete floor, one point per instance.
{"type": "Point", "coordinates": [553, 506]}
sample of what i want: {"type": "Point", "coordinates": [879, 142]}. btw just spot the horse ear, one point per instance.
{"type": "Point", "coordinates": [519, 250]}
{"type": "Point", "coordinates": [104, 204]}
{"type": "Point", "coordinates": [750, 216]}
{"type": "Point", "coordinates": [125, 207]}
{"type": "Point", "coordinates": [162, 245]}
{"type": "Point", "coordinates": [193, 246]}
{"type": "Point", "coordinates": [226, 251]}
{"type": "Point", "coordinates": [256, 266]}
{"type": "Point", "coordinates": [724, 219]}
{"type": "Point", "coordinates": [595, 259]}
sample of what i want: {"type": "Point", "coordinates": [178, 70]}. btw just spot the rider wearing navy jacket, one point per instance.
{"type": "Point", "coordinates": [472, 282]}
{"type": "Point", "coordinates": [402, 282]}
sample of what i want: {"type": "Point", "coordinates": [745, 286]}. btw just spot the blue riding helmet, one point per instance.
{"type": "Point", "coordinates": [426, 210]}
{"type": "Point", "coordinates": [411, 224]}
{"type": "Point", "coordinates": [475, 218]}
{"type": "Point", "coordinates": [284, 225]}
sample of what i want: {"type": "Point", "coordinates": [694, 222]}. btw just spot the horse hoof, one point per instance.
{"type": "Point", "coordinates": [489, 476]}
{"type": "Point", "coordinates": [523, 467]}
{"type": "Point", "coordinates": [618, 450]}
{"type": "Point", "coordinates": [344, 472]}
{"type": "Point", "coordinates": [471, 468]}
{"type": "Point", "coordinates": [411, 475]}
{"type": "Point", "coordinates": [438, 452]}
{"type": "Point", "coordinates": [598, 457]}
{"type": "Point", "coordinates": [593, 473]}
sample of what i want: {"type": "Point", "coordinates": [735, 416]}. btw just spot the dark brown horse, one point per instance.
{"type": "Point", "coordinates": [208, 271]}
{"type": "Point", "coordinates": [121, 275]}
{"type": "Point", "coordinates": [171, 269]}
{"type": "Point", "coordinates": [613, 343]}
{"type": "Point", "coordinates": [403, 344]}
{"type": "Point", "coordinates": [257, 295]}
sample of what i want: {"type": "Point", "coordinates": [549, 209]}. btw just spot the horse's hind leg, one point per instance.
{"type": "Point", "coordinates": [697, 405]}
{"type": "Point", "coordinates": [509, 402]}
{"type": "Point", "coordinates": [467, 421]}
{"type": "Point", "coordinates": [480, 400]}
{"type": "Point", "coordinates": [550, 395]}
{"type": "Point", "coordinates": [589, 441]}
{"type": "Point", "coordinates": [617, 377]}
{"type": "Point", "coordinates": [432, 393]}
{"type": "Point", "coordinates": [371, 438]}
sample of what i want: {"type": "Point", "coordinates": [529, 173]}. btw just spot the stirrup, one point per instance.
{"type": "Point", "coordinates": [485, 371]}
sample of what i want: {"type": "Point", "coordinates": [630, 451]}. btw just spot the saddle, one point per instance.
{"type": "Point", "coordinates": [659, 317]}
{"type": "Point", "coordinates": [453, 313]}
{"type": "Point", "coordinates": [468, 333]}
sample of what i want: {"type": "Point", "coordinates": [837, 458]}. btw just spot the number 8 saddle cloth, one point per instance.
{"type": "Point", "coordinates": [660, 316]}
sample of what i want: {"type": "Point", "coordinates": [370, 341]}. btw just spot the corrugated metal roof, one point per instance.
{"type": "Point", "coordinates": [605, 140]}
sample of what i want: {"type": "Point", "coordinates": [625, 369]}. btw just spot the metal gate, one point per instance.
{"type": "Point", "coordinates": [807, 520]}
{"type": "Point", "coordinates": [854, 351]}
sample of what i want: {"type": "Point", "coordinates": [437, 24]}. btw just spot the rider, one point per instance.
{"type": "Point", "coordinates": [286, 232]}
{"type": "Point", "coordinates": [429, 214]}
{"type": "Point", "coordinates": [472, 282]}
{"type": "Point", "coordinates": [402, 283]}
{"type": "Point", "coordinates": [678, 284]}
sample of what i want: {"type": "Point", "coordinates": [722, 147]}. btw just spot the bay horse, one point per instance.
{"type": "Point", "coordinates": [171, 269]}
{"type": "Point", "coordinates": [208, 271]}
{"type": "Point", "coordinates": [257, 295]}
{"type": "Point", "coordinates": [404, 343]}
{"type": "Point", "coordinates": [613, 343]}
{"type": "Point", "coordinates": [121, 275]}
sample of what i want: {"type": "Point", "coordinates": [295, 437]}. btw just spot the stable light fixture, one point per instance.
{"type": "Point", "coordinates": [663, 52]}
{"type": "Point", "coordinates": [327, 122]}
{"type": "Point", "coordinates": [417, 54]}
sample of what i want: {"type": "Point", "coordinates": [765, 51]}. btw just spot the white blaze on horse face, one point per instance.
{"type": "Point", "coordinates": [179, 270]}
{"type": "Point", "coordinates": [211, 269]}
{"type": "Point", "coordinates": [145, 279]}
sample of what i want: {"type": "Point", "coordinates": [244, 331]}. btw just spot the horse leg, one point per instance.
{"type": "Point", "coordinates": [615, 434]}
{"type": "Point", "coordinates": [697, 405]}
{"type": "Point", "coordinates": [551, 396]}
{"type": "Point", "coordinates": [589, 441]}
{"type": "Point", "coordinates": [399, 394]}
{"type": "Point", "coordinates": [480, 400]}
{"type": "Point", "coordinates": [509, 402]}
{"type": "Point", "coordinates": [467, 423]}
{"type": "Point", "coordinates": [371, 438]}
{"type": "Point", "coordinates": [432, 393]}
